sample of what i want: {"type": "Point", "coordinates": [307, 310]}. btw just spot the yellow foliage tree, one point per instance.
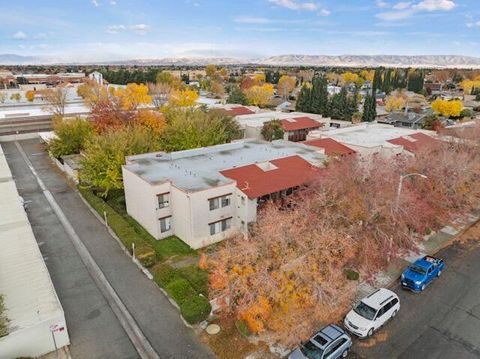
{"type": "Point", "coordinates": [259, 78]}
{"type": "Point", "coordinates": [367, 75]}
{"type": "Point", "coordinates": [210, 70]}
{"type": "Point", "coordinates": [448, 108]}
{"type": "Point", "coordinates": [183, 98]}
{"type": "Point", "coordinates": [30, 95]}
{"type": "Point", "coordinates": [286, 85]}
{"type": "Point", "coordinates": [133, 95]}
{"type": "Point", "coordinates": [152, 120]}
{"type": "Point", "coordinates": [394, 103]}
{"type": "Point", "coordinates": [259, 95]}
{"type": "Point", "coordinates": [349, 78]}
{"type": "Point", "coordinates": [468, 85]}
{"type": "Point", "coordinates": [92, 92]}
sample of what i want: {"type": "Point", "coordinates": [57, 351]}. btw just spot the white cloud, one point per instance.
{"type": "Point", "coordinates": [381, 4]}
{"type": "Point", "coordinates": [95, 3]}
{"type": "Point", "coordinates": [473, 24]}
{"type": "Point", "coordinates": [402, 5]}
{"type": "Point", "coordinates": [140, 29]}
{"type": "Point", "coordinates": [405, 9]}
{"type": "Point", "coordinates": [113, 2]}
{"type": "Point", "coordinates": [252, 20]}
{"type": "Point", "coordinates": [19, 35]}
{"type": "Point", "coordinates": [115, 29]}
{"type": "Point", "coordinates": [324, 12]}
{"type": "Point", "coordinates": [435, 5]}
{"type": "Point", "coordinates": [295, 5]}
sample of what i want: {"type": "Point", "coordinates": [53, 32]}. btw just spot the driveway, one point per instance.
{"type": "Point", "coordinates": [443, 321]}
{"type": "Point", "coordinates": [95, 331]}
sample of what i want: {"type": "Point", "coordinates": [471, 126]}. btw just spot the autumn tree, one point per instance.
{"type": "Point", "coordinates": [272, 130]}
{"type": "Point", "coordinates": [259, 95]}
{"type": "Point", "coordinates": [286, 85]}
{"type": "Point", "coordinates": [15, 97]}
{"type": "Point", "coordinates": [183, 98]}
{"type": "Point", "coordinates": [394, 103]}
{"type": "Point", "coordinates": [56, 99]}
{"type": "Point", "coordinates": [107, 115]}
{"type": "Point", "coordinates": [210, 70]}
{"type": "Point", "coordinates": [152, 120]}
{"type": "Point", "coordinates": [92, 92]}
{"type": "Point", "coordinates": [448, 108]}
{"type": "Point", "coordinates": [132, 96]}
{"type": "Point", "coordinates": [30, 95]}
{"type": "Point", "coordinates": [217, 88]}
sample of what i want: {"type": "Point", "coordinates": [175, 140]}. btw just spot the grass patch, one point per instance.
{"type": "Point", "coordinates": [351, 274]}
{"type": "Point", "coordinates": [197, 277]}
{"type": "Point", "coordinates": [185, 284]}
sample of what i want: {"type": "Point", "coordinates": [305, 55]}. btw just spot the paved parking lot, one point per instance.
{"type": "Point", "coordinates": [442, 322]}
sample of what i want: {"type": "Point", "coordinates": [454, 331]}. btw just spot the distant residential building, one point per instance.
{"type": "Point", "coordinates": [401, 119]}
{"type": "Point", "coordinates": [208, 194]}
{"type": "Point", "coordinates": [296, 125]}
{"type": "Point", "coordinates": [7, 79]}
{"type": "Point", "coordinates": [53, 79]}
{"type": "Point", "coordinates": [368, 139]}
{"type": "Point", "coordinates": [97, 77]}
{"type": "Point", "coordinates": [331, 147]}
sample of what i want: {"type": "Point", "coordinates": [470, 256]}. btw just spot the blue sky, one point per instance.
{"type": "Point", "coordinates": [83, 30]}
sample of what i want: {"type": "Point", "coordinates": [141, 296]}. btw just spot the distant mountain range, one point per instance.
{"type": "Point", "coordinates": [434, 61]}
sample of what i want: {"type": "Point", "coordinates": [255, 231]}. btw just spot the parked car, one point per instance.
{"type": "Point", "coordinates": [331, 342]}
{"type": "Point", "coordinates": [421, 273]}
{"type": "Point", "coordinates": [372, 312]}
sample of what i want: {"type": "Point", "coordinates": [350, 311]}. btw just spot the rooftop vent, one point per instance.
{"type": "Point", "coordinates": [267, 166]}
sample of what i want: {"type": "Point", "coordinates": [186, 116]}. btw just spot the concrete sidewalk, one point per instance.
{"type": "Point", "coordinates": [431, 245]}
{"type": "Point", "coordinates": [152, 312]}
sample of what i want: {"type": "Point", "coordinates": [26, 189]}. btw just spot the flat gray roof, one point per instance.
{"type": "Point", "coordinates": [199, 169]}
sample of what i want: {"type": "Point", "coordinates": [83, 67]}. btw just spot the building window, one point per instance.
{"type": "Point", "coordinates": [220, 226]}
{"type": "Point", "coordinates": [217, 202]}
{"type": "Point", "coordinates": [163, 201]}
{"type": "Point", "coordinates": [165, 224]}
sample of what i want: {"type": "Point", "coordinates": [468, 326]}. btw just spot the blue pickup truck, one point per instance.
{"type": "Point", "coordinates": [419, 274]}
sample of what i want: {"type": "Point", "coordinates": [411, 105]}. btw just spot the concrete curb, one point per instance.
{"type": "Point", "coordinates": [140, 342]}
{"type": "Point", "coordinates": [139, 265]}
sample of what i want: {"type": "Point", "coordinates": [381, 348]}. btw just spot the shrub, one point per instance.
{"type": "Point", "coordinates": [195, 309]}
{"type": "Point", "coordinates": [428, 231]}
{"type": "Point", "coordinates": [71, 137]}
{"type": "Point", "coordinates": [272, 130]}
{"type": "Point", "coordinates": [146, 255]}
{"type": "Point", "coordinates": [180, 290]}
{"type": "Point", "coordinates": [351, 274]}
{"type": "Point", "coordinates": [197, 277]}
{"type": "Point", "coordinates": [163, 274]}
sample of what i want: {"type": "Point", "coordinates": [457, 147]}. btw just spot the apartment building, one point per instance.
{"type": "Point", "coordinates": [208, 194]}
{"type": "Point", "coordinates": [368, 139]}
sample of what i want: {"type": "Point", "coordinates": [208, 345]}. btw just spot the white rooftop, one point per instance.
{"type": "Point", "coordinates": [366, 134]}
{"type": "Point", "coordinates": [199, 169]}
{"type": "Point", "coordinates": [258, 119]}
{"type": "Point", "coordinates": [30, 297]}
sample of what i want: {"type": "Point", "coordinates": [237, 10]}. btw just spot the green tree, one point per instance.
{"type": "Point", "coordinates": [193, 128]}
{"type": "Point", "coordinates": [319, 96]}
{"type": "Point", "coordinates": [71, 136]}
{"type": "Point", "coordinates": [237, 96]}
{"type": "Point", "coordinates": [105, 154]}
{"type": "Point", "coordinates": [369, 109]}
{"type": "Point", "coordinates": [304, 102]}
{"type": "Point", "coordinates": [272, 130]}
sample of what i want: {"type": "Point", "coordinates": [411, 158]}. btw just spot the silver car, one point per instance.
{"type": "Point", "coordinates": [331, 342]}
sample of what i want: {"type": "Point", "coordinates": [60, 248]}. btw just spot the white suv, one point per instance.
{"type": "Point", "coordinates": [372, 312]}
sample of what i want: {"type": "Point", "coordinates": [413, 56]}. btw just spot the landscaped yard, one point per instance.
{"type": "Point", "coordinates": [172, 262]}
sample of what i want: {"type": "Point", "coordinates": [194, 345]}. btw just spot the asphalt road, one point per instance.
{"type": "Point", "coordinates": [94, 330]}
{"type": "Point", "coordinates": [443, 321]}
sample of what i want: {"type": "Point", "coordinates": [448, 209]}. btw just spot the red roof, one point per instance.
{"type": "Point", "coordinates": [331, 147]}
{"type": "Point", "coordinates": [240, 110]}
{"type": "Point", "coordinates": [285, 173]}
{"type": "Point", "coordinates": [414, 142]}
{"type": "Point", "coordinates": [300, 123]}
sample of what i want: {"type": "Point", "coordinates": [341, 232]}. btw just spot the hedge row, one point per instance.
{"type": "Point", "coordinates": [144, 251]}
